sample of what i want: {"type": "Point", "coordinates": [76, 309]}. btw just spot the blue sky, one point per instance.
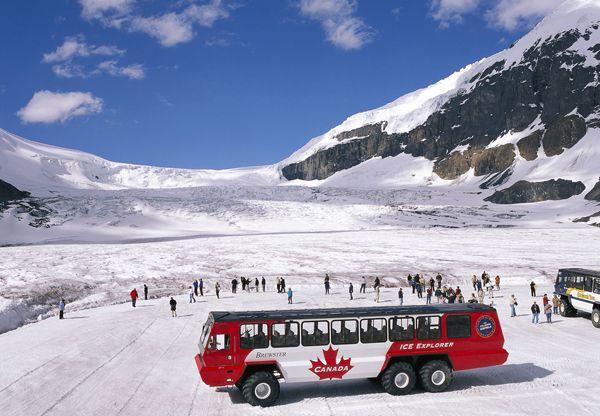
{"type": "Point", "coordinates": [217, 84]}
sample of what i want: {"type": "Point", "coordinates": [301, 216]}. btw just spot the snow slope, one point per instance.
{"type": "Point", "coordinates": [117, 360]}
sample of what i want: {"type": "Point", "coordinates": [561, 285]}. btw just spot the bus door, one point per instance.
{"type": "Point", "coordinates": [219, 352]}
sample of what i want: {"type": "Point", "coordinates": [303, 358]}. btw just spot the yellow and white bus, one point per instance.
{"type": "Point", "coordinates": [579, 290]}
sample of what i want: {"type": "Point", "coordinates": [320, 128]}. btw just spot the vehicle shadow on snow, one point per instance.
{"type": "Point", "coordinates": [497, 376]}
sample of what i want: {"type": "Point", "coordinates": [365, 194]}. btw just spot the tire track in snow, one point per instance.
{"type": "Point", "coordinates": [28, 373]}
{"type": "Point", "coordinates": [76, 386]}
{"type": "Point", "coordinates": [152, 368]}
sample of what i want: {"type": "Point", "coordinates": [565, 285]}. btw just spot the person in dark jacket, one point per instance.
{"type": "Point", "coordinates": [351, 290]}
{"type": "Point", "coordinates": [134, 295]}
{"type": "Point", "coordinates": [234, 284]}
{"type": "Point", "coordinates": [438, 278]}
{"type": "Point", "coordinates": [201, 287]}
{"type": "Point", "coordinates": [264, 283]}
{"type": "Point", "coordinates": [256, 284]}
{"type": "Point", "coordinates": [173, 304]}
{"type": "Point", "coordinates": [532, 286]}
{"type": "Point", "coordinates": [401, 296]}
{"type": "Point", "coordinates": [217, 289]}
{"type": "Point", "coordinates": [195, 284]}
{"type": "Point", "coordinates": [327, 287]}
{"type": "Point", "coordinates": [145, 292]}
{"type": "Point", "coordinates": [535, 313]}
{"type": "Point", "coordinates": [61, 309]}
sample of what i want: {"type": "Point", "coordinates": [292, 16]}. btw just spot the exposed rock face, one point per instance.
{"type": "Point", "coordinates": [563, 134]}
{"type": "Point", "coordinates": [526, 192]}
{"type": "Point", "coordinates": [10, 193]}
{"type": "Point", "coordinates": [594, 194]}
{"type": "Point", "coordinates": [551, 83]}
{"type": "Point", "coordinates": [529, 146]}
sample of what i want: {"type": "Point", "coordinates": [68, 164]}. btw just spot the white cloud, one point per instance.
{"type": "Point", "coordinates": [509, 15]}
{"type": "Point", "coordinates": [452, 11]}
{"type": "Point", "coordinates": [69, 70]}
{"type": "Point", "coordinates": [75, 46]}
{"type": "Point", "coordinates": [342, 28]}
{"type": "Point", "coordinates": [135, 71]}
{"type": "Point", "coordinates": [170, 29]}
{"type": "Point", "coordinates": [50, 107]}
{"type": "Point", "coordinates": [97, 9]}
{"type": "Point", "coordinates": [514, 14]}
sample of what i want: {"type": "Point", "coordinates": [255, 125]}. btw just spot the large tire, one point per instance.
{"type": "Point", "coordinates": [566, 309]}
{"type": "Point", "coordinates": [261, 389]}
{"type": "Point", "coordinates": [399, 379]}
{"type": "Point", "coordinates": [596, 317]}
{"type": "Point", "coordinates": [435, 376]}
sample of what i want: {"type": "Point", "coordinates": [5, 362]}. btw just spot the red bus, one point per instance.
{"type": "Point", "coordinates": [396, 345]}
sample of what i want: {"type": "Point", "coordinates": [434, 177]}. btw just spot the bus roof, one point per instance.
{"type": "Point", "coordinates": [586, 272]}
{"type": "Point", "coordinates": [221, 316]}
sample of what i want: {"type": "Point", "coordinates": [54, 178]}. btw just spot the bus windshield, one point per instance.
{"type": "Point", "coordinates": [205, 332]}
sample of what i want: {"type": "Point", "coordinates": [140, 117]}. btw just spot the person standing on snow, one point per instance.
{"type": "Point", "coordinates": [327, 284]}
{"type": "Point", "coordinates": [145, 292]}
{"type": "Point", "coordinates": [555, 303]}
{"type": "Point", "coordinates": [545, 300]}
{"type": "Point", "coordinates": [438, 295]}
{"type": "Point", "coordinates": [474, 281]}
{"type": "Point", "coordinates": [264, 283]}
{"type": "Point", "coordinates": [401, 296]}
{"type": "Point", "coordinates": [290, 294]}
{"type": "Point", "coordinates": [256, 284]}
{"type": "Point", "coordinates": [535, 313]}
{"type": "Point", "coordinates": [195, 284]}
{"type": "Point", "coordinates": [192, 297]}
{"type": "Point", "coordinates": [173, 304]}
{"type": "Point", "coordinates": [201, 287]}
{"type": "Point", "coordinates": [548, 312]}
{"type": "Point", "coordinates": [497, 282]}
{"type": "Point", "coordinates": [513, 306]}
{"type": "Point", "coordinates": [532, 286]}
{"type": "Point", "coordinates": [363, 286]}
{"type": "Point", "coordinates": [61, 309]}
{"type": "Point", "coordinates": [134, 295]}
{"type": "Point", "coordinates": [438, 278]}
{"type": "Point", "coordinates": [282, 285]}
{"type": "Point", "coordinates": [217, 289]}
{"type": "Point", "coordinates": [234, 284]}
{"type": "Point", "coordinates": [377, 293]}
{"type": "Point", "coordinates": [428, 300]}
{"type": "Point", "coordinates": [351, 290]}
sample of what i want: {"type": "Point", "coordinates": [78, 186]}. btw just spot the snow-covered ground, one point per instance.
{"type": "Point", "coordinates": [119, 360]}
{"type": "Point", "coordinates": [35, 277]}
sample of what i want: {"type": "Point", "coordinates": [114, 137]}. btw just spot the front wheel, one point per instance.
{"type": "Point", "coordinates": [261, 389]}
{"type": "Point", "coordinates": [399, 379]}
{"type": "Point", "coordinates": [436, 376]}
{"type": "Point", "coordinates": [596, 317]}
{"type": "Point", "coordinates": [566, 309]}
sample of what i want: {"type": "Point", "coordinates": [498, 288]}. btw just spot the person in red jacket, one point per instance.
{"type": "Point", "coordinates": [134, 296]}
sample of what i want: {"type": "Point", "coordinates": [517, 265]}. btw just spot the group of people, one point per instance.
{"type": "Point", "coordinates": [549, 306]}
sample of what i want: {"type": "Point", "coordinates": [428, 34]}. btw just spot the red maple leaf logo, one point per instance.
{"type": "Point", "coordinates": [331, 368]}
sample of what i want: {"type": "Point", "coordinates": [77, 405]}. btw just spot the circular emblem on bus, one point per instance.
{"type": "Point", "coordinates": [485, 327]}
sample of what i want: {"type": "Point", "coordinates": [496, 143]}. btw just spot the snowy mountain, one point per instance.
{"type": "Point", "coordinates": [510, 140]}
{"type": "Point", "coordinates": [517, 121]}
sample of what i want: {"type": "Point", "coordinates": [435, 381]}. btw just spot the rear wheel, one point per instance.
{"type": "Point", "coordinates": [566, 309]}
{"type": "Point", "coordinates": [399, 379]}
{"type": "Point", "coordinates": [435, 376]}
{"type": "Point", "coordinates": [596, 317]}
{"type": "Point", "coordinates": [261, 389]}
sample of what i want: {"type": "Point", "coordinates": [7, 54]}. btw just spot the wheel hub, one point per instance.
{"type": "Point", "coordinates": [262, 390]}
{"type": "Point", "coordinates": [438, 377]}
{"type": "Point", "coordinates": [401, 380]}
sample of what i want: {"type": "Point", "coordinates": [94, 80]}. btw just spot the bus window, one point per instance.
{"type": "Point", "coordinates": [588, 283]}
{"type": "Point", "coordinates": [597, 285]}
{"type": "Point", "coordinates": [218, 342]}
{"type": "Point", "coordinates": [458, 326]}
{"type": "Point", "coordinates": [253, 336]}
{"type": "Point", "coordinates": [315, 333]}
{"type": "Point", "coordinates": [402, 329]}
{"type": "Point", "coordinates": [373, 330]}
{"type": "Point", "coordinates": [344, 332]}
{"type": "Point", "coordinates": [285, 335]}
{"type": "Point", "coordinates": [428, 327]}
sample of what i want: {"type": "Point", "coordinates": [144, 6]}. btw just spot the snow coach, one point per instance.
{"type": "Point", "coordinates": [397, 345]}
{"type": "Point", "coordinates": [579, 289]}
